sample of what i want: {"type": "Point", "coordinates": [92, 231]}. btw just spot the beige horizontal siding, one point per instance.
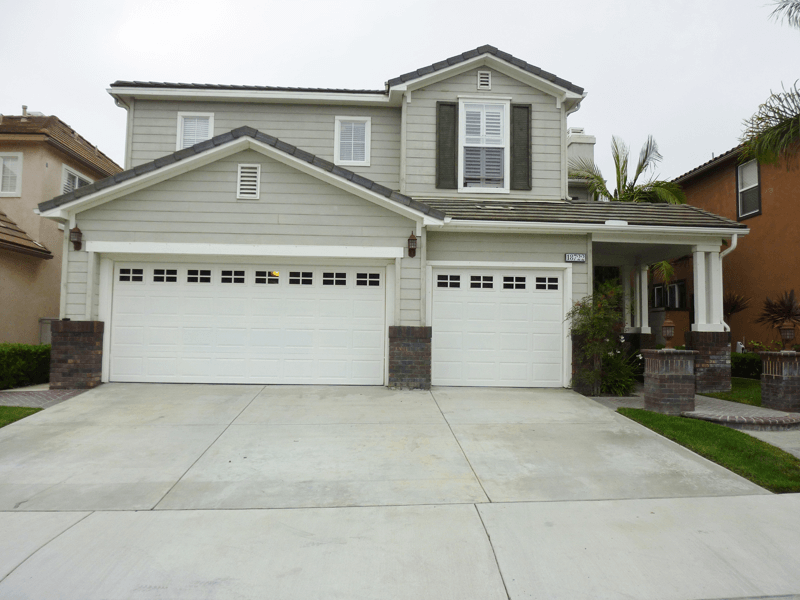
{"type": "Point", "coordinates": [310, 127]}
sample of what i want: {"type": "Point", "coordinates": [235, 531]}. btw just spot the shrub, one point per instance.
{"type": "Point", "coordinates": [23, 364]}
{"type": "Point", "coordinates": [747, 365]}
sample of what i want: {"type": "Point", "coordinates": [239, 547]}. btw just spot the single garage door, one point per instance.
{"type": "Point", "coordinates": [206, 323]}
{"type": "Point", "coordinates": [497, 328]}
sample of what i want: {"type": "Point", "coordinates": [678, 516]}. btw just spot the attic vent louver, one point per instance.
{"type": "Point", "coordinates": [248, 182]}
{"type": "Point", "coordinates": [484, 80]}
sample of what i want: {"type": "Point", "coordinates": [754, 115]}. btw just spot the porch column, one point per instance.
{"type": "Point", "coordinates": [700, 319]}
{"type": "Point", "coordinates": [627, 317]}
{"type": "Point", "coordinates": [644, 305]}
{"type": "Point", "coordinates": [707, 291]}
{"type": "Point", "coordinates": [715, 293]}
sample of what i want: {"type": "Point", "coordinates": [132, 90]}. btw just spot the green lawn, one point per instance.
{"type": "Point", "coordinates": [764, 465]}
{"type": "Point", "coordinates": [9, 414]}
{"type": "Point", "coordinates": [746, 391]}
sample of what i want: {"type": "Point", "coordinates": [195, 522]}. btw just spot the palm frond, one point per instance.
{"type": "Point", "coordinates": [787, 10]}
{"type": "Point", "coordinates": [589, 171]}
{"type": "Point", "coordinates": [648, 158]}
{"type": "Point", "coordinates": [661, 192]}
{"type": "Point", "coordinates": [619, 153]}
{"type": "Point", "coordinates": [662, 271]}
{"type": "Point", "coordinates": [733, 303]}
{"type": "Point", "coordinates": [774, 131]}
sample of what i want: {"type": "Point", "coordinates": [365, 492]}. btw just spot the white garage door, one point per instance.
{"type": "Point", "coordinates": [497, 328]}
{"type": "Point", "coordinates": [248, 324]}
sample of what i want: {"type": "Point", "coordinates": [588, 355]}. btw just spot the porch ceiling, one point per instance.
{"type": "Point", "coordinates": [612, 254]}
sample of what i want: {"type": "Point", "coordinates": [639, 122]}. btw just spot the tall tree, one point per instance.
{"type": "Point", "coordinates": [649, 190]}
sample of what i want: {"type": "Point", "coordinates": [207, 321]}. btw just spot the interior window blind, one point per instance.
{"type": "Point", "coordinates": [195, 130]}
{"type": "Point", "coordinates": [484, 145]}
{"type": "Point", "coordinates": [8, 168]}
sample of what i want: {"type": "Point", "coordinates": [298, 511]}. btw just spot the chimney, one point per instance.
{"type": "Point", "coordinates": [580, 145]}
{"type": "Point", "coordinates": [24, 112]}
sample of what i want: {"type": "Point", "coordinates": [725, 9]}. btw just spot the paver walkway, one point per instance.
{"type": "Point", "coordinates": [36, 398]}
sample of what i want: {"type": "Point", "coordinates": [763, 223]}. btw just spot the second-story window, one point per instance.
{"type": "Point", "coordinates": [194, 128]}
{"type": "Point", "coordinates": [484, 146]}
{"type": "Point", "coordinates": [10, 173]}
{"type": "Point", "coordinates": [72, 180]}
{"type": "Point", "coordinates": [352, 141]}
{"type": "Point", "coordinates": [749, 192]}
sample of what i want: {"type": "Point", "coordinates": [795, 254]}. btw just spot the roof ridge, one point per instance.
{"type": "Point", "coordinates": [224, 138]}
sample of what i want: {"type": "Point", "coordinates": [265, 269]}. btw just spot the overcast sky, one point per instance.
{"type": "Point", "coordinates": [686, 71]}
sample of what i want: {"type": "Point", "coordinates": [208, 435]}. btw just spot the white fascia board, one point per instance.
{"type": "Point", "coordinates": [385, 252]}
{"type": "Point", "coordinates": [223, 151]}
{"type": "Point", "coordinates": [501, 66]}
{"type": "Point", "coordinates": [645, 234]}
{"type": "Point", "coordinates": [121, 94]}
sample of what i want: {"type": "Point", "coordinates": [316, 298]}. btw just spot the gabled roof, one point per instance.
{"type": "Point", "coordinates": [486, 49]}
{"type": "Point", "coordinates": [226, 138]}
{"type": "Point", "coordinates": [14, 239]}
{"type": "Point", "coordinates": [717, 160]}
{"type": "Point", "coordinates": [584, 212]}
{"type": "Point", "coordinates": [60, 135]}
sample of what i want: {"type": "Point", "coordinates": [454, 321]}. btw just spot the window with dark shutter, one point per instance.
{"type": "Point", "coordinates": [521, 147]}
{"type": "Point", "coordinates": [447, 145]}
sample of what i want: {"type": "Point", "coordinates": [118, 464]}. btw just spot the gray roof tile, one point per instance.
{"type": "Point", "coordinates": [229, 137]}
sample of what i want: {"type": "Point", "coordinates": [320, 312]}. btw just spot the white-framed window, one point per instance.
{"type": "Point", "coordinates": [352, 141]}
{"type": "Point", "coordinates": [749, 194]}
{"type": "Point", "coordinates": [193, 128]}
{"type": "Point", "coordinates": [71, 179]}
{"type": "Point", "coordinates": [484, 160]}
{"type": "Point", "coordinates": [248, 182]}
{"type": "Point", "coordinates": [484, 80]}
{"type": "Point", "coordinates": [10, 174]}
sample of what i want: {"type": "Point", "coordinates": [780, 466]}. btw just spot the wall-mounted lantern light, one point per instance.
{"type": "Point", "coordinates": [75, 236]}
{"type": "Point", "coordinates": [787, 332]}
{"type": "Point", "coordinates": [668, 331]}
{"type": "Point", "coordinates": [412, 245]}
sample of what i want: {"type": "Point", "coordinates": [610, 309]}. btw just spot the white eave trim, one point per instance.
{"type": "Point", "coordinates": [223, 151]}
{"type": "Point", "coordinates": [339, 98]}
{"type": "Point", "coordinates": [384, 252]}
{"type": "Point", "coordinates": [600, 233]}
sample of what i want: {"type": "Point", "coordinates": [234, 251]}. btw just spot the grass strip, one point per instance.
{"type": "Point", "coordinates": [761, 463]}
{"type": "Point", "coordinates": [744, 391]}
{"type": "Point", "coordinates": [9, 414]}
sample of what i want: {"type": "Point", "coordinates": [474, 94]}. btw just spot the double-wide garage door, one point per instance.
{"type": "Point", "coordinates": [248, 324]}
{"type": "Point", "coordinates": [494, 327]}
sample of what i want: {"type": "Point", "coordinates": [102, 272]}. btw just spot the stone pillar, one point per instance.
{"type": "Point", "coordinates": [669, 381]}
{"type": "Point", "coordinates": [780, 381]}
{"type": "Point", "coordinates": [713, 364]}
{"type": "Point", "coordinates": [76, 354]}
{"type": "Point", "coordinates": [410, 357]}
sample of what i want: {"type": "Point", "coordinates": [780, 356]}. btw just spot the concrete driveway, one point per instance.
{"type": "Point", "coordinates": [137, 491]}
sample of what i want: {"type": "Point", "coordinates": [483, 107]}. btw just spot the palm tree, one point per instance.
{"type": "Point", "coordinates": [787, 10]}
{"type": "Point", "coordinates": [774, 131]}
{"type": "Point", "coordinates": [650, 190]}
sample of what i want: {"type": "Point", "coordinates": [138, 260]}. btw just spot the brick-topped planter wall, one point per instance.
{"type": "Point", "coordinates": [410, 357]}
{"type": "Point", "coordinates": [669, 381]}
{"type": "Point", "coordinates": [76, 354]}
{"type": "Point", "coordinates": [780, 381]}
{"type": "Point", "coordinates": [713, 364]}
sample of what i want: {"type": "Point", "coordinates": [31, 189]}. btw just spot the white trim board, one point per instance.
{"type": "Point", "coordinates": [385, 252]}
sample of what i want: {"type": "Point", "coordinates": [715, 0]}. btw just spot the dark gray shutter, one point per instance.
{"type": "Point", "coordinates": [447, 145]}
{"type": "Point", "coordinates": [521, 147]}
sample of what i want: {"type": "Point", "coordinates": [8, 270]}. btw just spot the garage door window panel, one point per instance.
{"type": "Point", "coordinates": [368, 279]}
{"type": "Point", "coordinates": [165, 275]}
{"type": "Point", "coordinates": [301, 278]}
{"type": "Point", "coordinates": [267, 277]}
{"type": "Point", "coordinates": [448, 281]}
{"type": "Point", "coordinates": [232, 276]}
{"type": "Point", "coordinates": [131, 275]}
{"type": "Point", "coordinates": [481, 282]}
{"type": "Point", "coordinates": [334, 278]}
{"type": "Point", "coordinates": [198, 276]}
{"type": "Point", "coordinates": [547, 283]}
{"type": "Point", "coordinates": [514, 282]}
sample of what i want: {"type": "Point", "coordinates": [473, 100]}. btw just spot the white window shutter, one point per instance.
{"type": "Point", "coordinates": [248, 182]}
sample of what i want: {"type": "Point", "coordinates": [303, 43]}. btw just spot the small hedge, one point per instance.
{"type": "Point", "coordinates": [746, 365]}
{"type": "Point", "coordinates": [22, 364]}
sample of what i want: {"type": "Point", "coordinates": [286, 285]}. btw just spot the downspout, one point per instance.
{"type": "Point", "coordinates": [723, 254]}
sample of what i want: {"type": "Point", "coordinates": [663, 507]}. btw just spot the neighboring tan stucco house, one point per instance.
{"type": "Point", "coordinates": [765, 263]}
{"type": "Point", "coordinates": [40, 157]}
{"type": "Point", "coordinates": [422, 232]}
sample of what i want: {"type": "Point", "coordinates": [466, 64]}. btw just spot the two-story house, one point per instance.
{"type": "Point", "coordinates": [40, 157]}
{"type": "Point", "coordinates": [766, 263]}
{"type": "Point", "coordinates": [420, 232]}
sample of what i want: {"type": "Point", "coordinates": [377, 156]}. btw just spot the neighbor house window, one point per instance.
{"type": "Point", "coordinates": [671, 296]}
{"type": "Point", "coordinates": [71, 180]}
{"type": "Point", "coordinates": [749, 191]}
{"type": "Point", "coordinates": [194, 128]}
{"type": "Point", "coordinates": [352, 141]}
{"type": "Point", "coordinates": [10, 173]}
{"type": "Point", "coordinates": [658, 296]}
{"type": "Point", "coordinates": [483, 142]}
